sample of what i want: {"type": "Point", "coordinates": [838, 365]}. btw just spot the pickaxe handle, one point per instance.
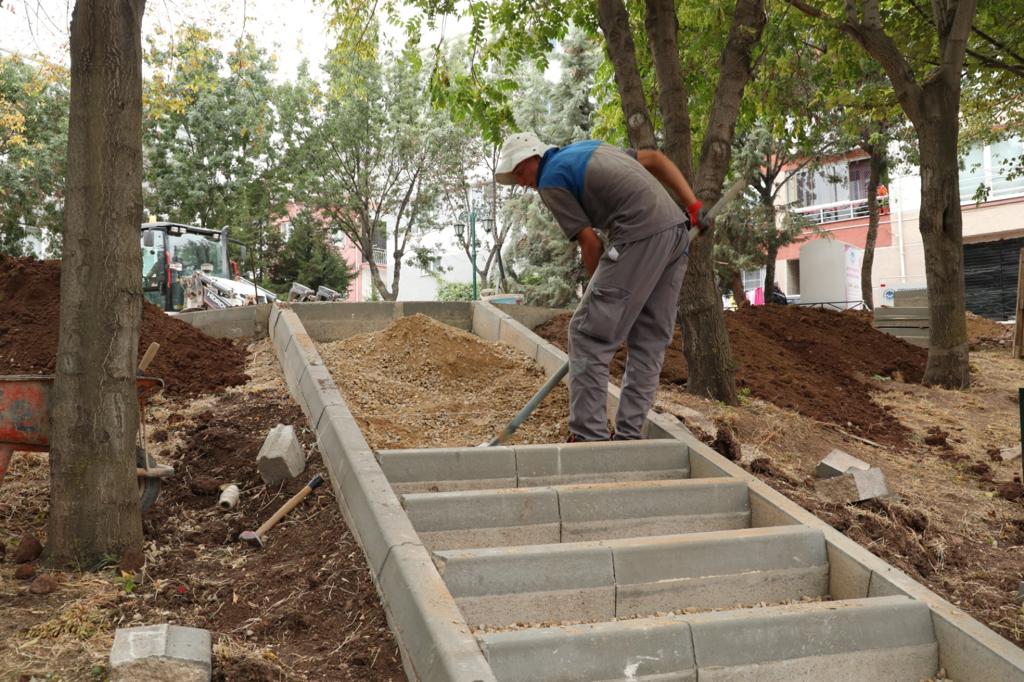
{"type": "Point", "coordinates": [730, 195]}
{"type": "Point", "coordinates": [289, 505]}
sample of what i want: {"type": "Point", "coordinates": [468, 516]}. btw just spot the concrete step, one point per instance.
{"type": "Point", "coordinates": [574, 513]}
{"type": "Point", "coordinates": [593, 581]}
{"type": "Point", "coordinates": [433, 470]}
{"type": "Point", "coordinates": [878, 639]}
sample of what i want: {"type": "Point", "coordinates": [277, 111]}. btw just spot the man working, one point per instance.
{"type": "Point", "coordinates": [635, 282]}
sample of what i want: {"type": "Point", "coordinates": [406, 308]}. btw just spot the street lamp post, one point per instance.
{"type": "Point", "coordinates": [460, 230]}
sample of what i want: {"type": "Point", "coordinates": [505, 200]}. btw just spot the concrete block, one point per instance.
{"type": "Point", "coordinates": [550, 358]}
{"type": "Point", "coordinates": [498, 518]}
{"type": "Point", "coordinates": [647, 649]}
{"type": "Point", "coordinates": [318, 392]}
{"type": "Point", "coordinates": [281, 456]}
{"type": "Point", "coordinates": [440, 470]}
{"type": "Point", "coordinates": [288, 326]}
{"type": "Point", "coordinates": [160, 653]}
{"type": "Point", "coordinates": [1009, 454]}
{"type": "Point", "coordinates": [275, 313]}
{"type": "Point", "coordinates": [301, 353]}
{"type": "Point", "coordinates": [601, 462]}
{"type": "Point", "coordinates": [332, 321]}
{"type": "Point", "coordinates": [435, 641]}
{"type": "Point", "coordinates": [970, 651]}
{"type": "Point", "coordinates": [604, 511]}
{"type": "Point", "coordinates": [837, 463]}
{"type": "Point", "coordinates": [373, 508]}
{"type": "Point", "coordinates": [764, 512]}
{"type": "Point", "coordinates": [719, 570]}
{"type": "Point", "coordinates": [337, 432]}
{"type": "Point", "coordinates": [863, 639]}
{"type": "Point", "coordinates": [848, 578]}
{"type": "Point", "coordinates": [530, 316]}
{"type": "Point", "coordinates": [487, 320]}
{"type": "Point", "coordinates": [532, 584]}
{"type": "Point", "coordinates": [231, 323]}
{"type": "Point", "coordinates": [519, 337]}
{"type": "Point", "coordinates": [452, 313]}
{"type": "Point", "coordinates": [854, 486]}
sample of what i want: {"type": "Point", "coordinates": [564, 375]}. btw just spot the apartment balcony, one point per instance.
{"type": "Point", "coordinates": [380, 257]}
{"type": "Point", "coordinates": [821, 214]}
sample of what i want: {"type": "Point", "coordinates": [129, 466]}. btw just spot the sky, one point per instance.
{"type": "Point", "coordinates": [292, 30]}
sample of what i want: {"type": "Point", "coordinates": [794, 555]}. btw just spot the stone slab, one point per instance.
{"type": "Point", "coordinates": [331, 321]}
{"type": "Point", "coordinates": [288, 326]}
{"type": "Point", "coordinates": [492, 518]}
{"type": "Point", "coordinates": [530, 316]}
{"type": "Point", "coordinates": [601, 462]}
{"type": "Point", "coordinates": [441, 470]}
{"type": "Point", "coordinates": [281, 457]}
{"type": "Point", "coordinates": [645, 649]}
{"type": "Point", "coordinates": [837, 463]}
{"type": "Point", "coordinates": [605, 511]}
{"type": "Point", "coordinates": [551, 358]}
{"type": "Point", "coordinates": [532, 584]}
{"type": "Point", "coordinates": [519, 337]}
{"type": "Point", "coordinates": [719, 570]}
{"type": "Point", "coordinates": [487, 321]}
{"type": "Point", "coordinates": [456, 314]}
{"type": "Point", "coordinates": [890, 638]}
{"type": "Point", "coordinates": [855, 486]}
{"type": "Point", "coordinates": [435, 641]}
{"type": "Point", "coordinates": [231, 323]}
{"type": "Point", "coordinates": [162, 653]}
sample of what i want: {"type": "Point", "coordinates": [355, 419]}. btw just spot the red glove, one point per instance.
{"type": "Point", "coordinates": [694, 211]}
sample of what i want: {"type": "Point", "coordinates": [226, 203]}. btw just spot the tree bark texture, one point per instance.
{"type": "Point", "coordinates": [673, 96]}
{"type": "Point", "coordinates": [614, 22]}
{"type": "Point", "coordinates": [876, 165]}
{"type": "Point", "coordinates": [94, 414]}
{"type": "Point", "coordinates": [710, 365]}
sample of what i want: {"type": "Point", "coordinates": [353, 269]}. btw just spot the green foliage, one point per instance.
{"type": "Point", "coordinates": [210, 122]}
{"type": "Point", "coordinates": [34, 100]}
{"type": "Point", "coordinates": [455, 291]}
{"type": "Point", "coordinates": [310, 258]}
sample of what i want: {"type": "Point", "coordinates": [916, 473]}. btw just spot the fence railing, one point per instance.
{"type": "Point", "coordinates": [840, 210]}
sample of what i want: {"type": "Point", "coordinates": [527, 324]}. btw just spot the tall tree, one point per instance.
{"type": "Point", "coordinates": [927, 84]}
{"type": "Point", "coordinates": [369, 155]}
{"type": "Point", "coordinates": [33, 149]}
{"type": "Point", "coordinates": [310, 257]}
{"type": "Point", "coordinates": [211, 119]}
{"type": "Point", "coordinates": [94, 503]}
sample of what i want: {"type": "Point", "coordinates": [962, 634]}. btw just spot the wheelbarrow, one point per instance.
{"type": "Point", "coordinates": [25, 426]}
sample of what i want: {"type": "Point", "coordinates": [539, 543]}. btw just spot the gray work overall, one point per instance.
{"type": "Point", "coordinates": [632, 298]}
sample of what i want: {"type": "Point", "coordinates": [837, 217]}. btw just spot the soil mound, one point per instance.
{"type": "Point", "coordinates": [820, 363]}
{"type": "Point", "coordinates": [983, 333]}
{"type": "Point", "coordinates": [189, 361]}
{"type": "Point", "coordinates": [422, 383]}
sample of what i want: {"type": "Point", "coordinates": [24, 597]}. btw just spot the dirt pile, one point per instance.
{"type": "Point", "coordinates": [189, 361]}
{"type": "Point", "coordinates": [421, 383]}
{"type": "Point", "coordinates": [984, 333]}
{"type": "Point", "coordinates": [822, 364]}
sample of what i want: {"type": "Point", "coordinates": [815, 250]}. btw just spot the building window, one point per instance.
{"type": "Point", "coordinates": [286, 230]}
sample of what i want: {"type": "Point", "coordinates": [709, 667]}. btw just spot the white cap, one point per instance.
{"type": "Point", "coordinates": [517, 148]}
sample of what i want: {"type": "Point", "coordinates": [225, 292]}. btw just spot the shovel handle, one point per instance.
{"type": "Point", "coordinates": [148, 357]}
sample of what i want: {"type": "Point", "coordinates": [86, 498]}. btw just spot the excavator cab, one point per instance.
{"type": "Point", "coordinates": [172, 254]}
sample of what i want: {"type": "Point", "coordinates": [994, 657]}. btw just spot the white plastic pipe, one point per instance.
{"type": "Point", "coordinates": [228, 498]}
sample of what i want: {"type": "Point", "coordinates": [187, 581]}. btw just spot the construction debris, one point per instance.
{"type": "Point", "coordinates": [281, 457]}
{"type": "Point", "coordinates": [837, 463]}
{"type": "Point", "coordinates": [161, 652]}
{"type": "Point", "coordinates": [855, 486]}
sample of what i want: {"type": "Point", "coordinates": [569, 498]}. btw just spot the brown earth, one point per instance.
{"type": "Point", "coordinates": [819, 363]}
{"type": "Point", "coordinates": [189, 361]}
{"type": "Point", "coordinates": [302, 608]}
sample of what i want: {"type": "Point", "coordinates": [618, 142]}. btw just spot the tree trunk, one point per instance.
{"type": "Point", "coordinates": [877, 163]}
{"type": "Point", "coordinates": [739, 294]}
{"type": "Point", "coordinates": [942, 234]}
{"type": "Point", "coordinates": [614, 22]}
{"type": "Point", "coordinates": [673, 96]}
{"type": "Point", "coordinates": [94, 414]}
{"type": "Point", "coordinates": [710, 366]}
{"type": "Point", "coordinates": [771, 254]}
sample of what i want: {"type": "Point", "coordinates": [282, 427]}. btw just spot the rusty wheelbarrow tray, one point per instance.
{"type": "Point", "coordinates": [25, 426]}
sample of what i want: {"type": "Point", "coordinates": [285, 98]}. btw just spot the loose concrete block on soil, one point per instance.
{"type": "Point", "coordinates": [837, 463]}
{"type": "Point", "coordinates": [644, 649]}
{"type": "Point", "coordinates": [890, 638]}
{"type": "Point", "coordinates": [719, 570]}
{"type": "Point", "coordinates": [492, 518]}
{"type": "Point", "coordinates": [854, 486]}
{"type": "Point", "coordinates": [501, 586]}
{"type": "Point", "coordinates": [281, 456]}
{"type": "Point", "coordinates": [160, 653]}
{"type": "Point", "coordinates": [449, 469]}
{"type": "Point", "coordinates": [616, 510]}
